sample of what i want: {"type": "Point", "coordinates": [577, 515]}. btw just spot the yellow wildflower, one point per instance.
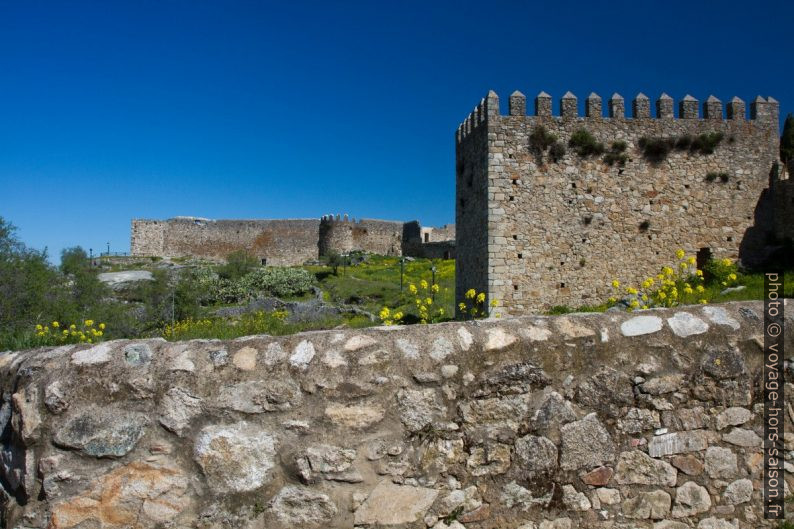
{"type": "Point", "coordinates": [615, 283]}
{"type": "Point", "coordinates": [481, 297]}
{"type": "Point", "coordinates": [699, 273]}
{"type": "Point", "coordinates": [631, 290]}
{"type": "Point", "coordinates": [462, 306]}
{"type": "Point", "coordinates": [703, 301]}
{"type": "Point", "coordinates": [726, 262]}
{"type": "Point", "coordinates": [39, 327]}
{"type": "Point", "coordinates": [55, 325]}
{"type": "Point", "coordinates": [423, 284]}
{"type": "Point", "coordinates": [102, 326]}
{"type": "Point", "coordinates": [692, 260]}
{"type": "Point", "coordinates": [88, 323]}
{"type": "Point", "coordinates": [700, 288]}
{"type": "Point", "coordinates": [471, 293]}
{"type": "Point", "coordinates": [494, 302]}
{"type": "Point", "coordinates": [435, 288]}
{"type": "Point", "coordinates": [662, 295]}
{"type": "Point", "coordinates": [412, 288]}
{"type": "Point", "coordinates": [429, 301]}
{"type": "Point", "coordinates": [680, 253]}
{"type": "Point", "coordinates": [732, 277]}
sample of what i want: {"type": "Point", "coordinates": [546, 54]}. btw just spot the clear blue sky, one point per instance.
{"type": "Point", "coordinates": [111, 110]}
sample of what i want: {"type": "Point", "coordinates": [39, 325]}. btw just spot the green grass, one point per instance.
{"type": "Point", "coordinates": [375, 283]}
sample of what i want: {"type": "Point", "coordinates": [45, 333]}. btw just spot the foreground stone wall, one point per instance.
{"type": "Point", "coordinates": [632, 421]}
{"type": "Point", "coordinates": [558, 231]}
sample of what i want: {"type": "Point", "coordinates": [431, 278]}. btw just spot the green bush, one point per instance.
{"type": "Point", "coordinates": [238, 264]}
{"type": "Point", "coordinates": [655, 150]}
{"type": "Point", "coordinates": [279, 281]}
{"type": "Point", "coordinates": [584, 144]}
{"type": "Point", "coordinates": [723, 177]}
{"type": "Point", "coordinates": [540, 140]}
{"type": "Point", "coordinates": [616, 154]}
{"type": "Point", "coordinates": [706, 143]}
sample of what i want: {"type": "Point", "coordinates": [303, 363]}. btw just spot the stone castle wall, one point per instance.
{"type": "Point", "coordinates": [285, 242]}
{"type": "Point", "coordinates": [279, 242]}
{"type": "Point", "coordinates": [599, 421]}
{"type": "Point", "coordinates": [343, 235]}
{"type": "Point", "coordinates": [534, 232]}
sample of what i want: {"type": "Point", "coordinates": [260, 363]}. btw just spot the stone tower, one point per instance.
{"type": "Point", "coordinates": [542, 221]}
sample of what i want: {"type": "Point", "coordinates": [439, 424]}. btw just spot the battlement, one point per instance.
{"type": "Point", "coordinates": [712, 109]}
{"type": "Point", "coordinates": [551, 208]}
{"type": "Point", "coordinates": [346, 219]}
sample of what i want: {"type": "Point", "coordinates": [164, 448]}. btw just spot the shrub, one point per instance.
{"type": "Point", "coordinates": [556, 151]}
{"type": "Point", "coordinates": [706, 143]}
{"type": "Point", "coordinates": [655, 150]}
{"type": "Point", "coordinates": [723, 177]}
{"type": "Point", "coordinates": [584, 144]}
{"type": "Point", "coordinates": [237, 265]}
{"type": "Point", "coordinates": [683, 143]}
{"type": "Point", "coordinates": [616, 154]}
{"type": "Point", "coordinates": [279, 281]}
{"type": "Point", "coordinates": [540, 140]}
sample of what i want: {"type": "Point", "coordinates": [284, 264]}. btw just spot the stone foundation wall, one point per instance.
{"type": "Point", "coordinates": [609, 421]}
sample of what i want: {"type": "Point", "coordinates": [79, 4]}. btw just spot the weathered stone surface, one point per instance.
{"type": "Point", "coordinates": [551, 415]}
{"type": "Point", "coordinates": [101, 432]}
{"type": "Point", "coordinates": [245, 358]}
{"type": "Point", "coordinates": [515, 496]}
{"type": "Point", "coordinates": [677, 443]}
{"type": "Point", "coordinates": [574, 500]}
{"type": "Point", "coordinates": [489, 459]}
{"type": "Point", "coordinates": [670, 524]}
{"type": "Point", "coordinates": [354, 416]}
{"type": "Point", "coordinates": [390, 504]}
{"type": "Point", "coordinates": [302, 507]}
{"type": "Point", "coordinates": [138, 354]}
{"type": "Point", "coordinates": [178, 408]}
{"type": "Point", "coordinates": [719, 316]}
{"type": "Point", "coordinates": [733, 416]}
{"type": "Point", "coordinates": [717, 523]}
{"type": "Point", "coordinates": [328, 462]}
{"type": "Point", "coordinates": [597, 477]}
{"type": "Point", "coordinates": [138, 494]}
{"type": "Point", "coordinates": [302, 355]}
{"type": "Point", "coordinates": [498, 339]}
{"type": "Point", "coordinates": [258, 396]}
{"type": "Point", "coordinates": [742, 437]}
{"type": "Point", "coordinates": [98, 354]}
{"type": "Point", "coordinates": [55, 398]}
{"type": "Point", "coordinates": [639, 420]}
{"type": "Point", "coordinates": [608, 496]}
{"type": "Point", "coordinates": [740, 491]}
{"type": "Point", "coordinates": [27, 418]}
{"type": "Point", "coordinates": [654, 505]}
{"type": "Point", "coordinates": [639, 325]}
{"type": "Point", "coordinates": [663, 384]}
{"type": "Point", "coordinates": [723, 364]}
{"type": "Point", "coordinates": [536, 454]}
{"type": "Point", "coordinates": [685, 324]}
{"type": "Point", "coordinates": [688, 464]}
{"type": "Point", "coordinates": [236, 457]}
{"type": "Point", "coordinates": [720, 462]}
{"type": "Point", "coordinates": [691, 499]}
{"type": "Point", "coordinates": [585, 444]}
{"type": "Point", "coordinates": [419, 408]}
{"type": "Point", "coordinates": [607, 389]}
{"type": "Point", "coordinates": [638, 468]}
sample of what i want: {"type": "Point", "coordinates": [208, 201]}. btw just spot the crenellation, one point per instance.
{"type": "Point", "coordinates": [592, 106]}
{"type": "Point", "coordinates": [641, 107]}
{"type": "Point", "coordinates": [736, 109]}
{"type": "Point", "coordinates": [543, 105]}
{"type": "Point", "coordinates": [568, 106]}
{"type": "Point", "coordinates": [533, 232]}
{"type": "Point", "coordinates": [712, 108]}
{"type": "Point", "coordinates": [617, 108]}
{"type": "Point", "coordinates": [688, 108]}
{"type": "Point", "coordinates": [665, 107]}
{"type": "Point", "coordinates": [518, 104]}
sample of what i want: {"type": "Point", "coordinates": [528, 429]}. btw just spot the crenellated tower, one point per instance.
{"type": "Point", "coordinates": [550, 208]}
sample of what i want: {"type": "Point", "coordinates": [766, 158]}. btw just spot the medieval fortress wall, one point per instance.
{"type": "Point", "coordinates": [282, 242]}
{"type": "Point", "coordinates": [534, 231]}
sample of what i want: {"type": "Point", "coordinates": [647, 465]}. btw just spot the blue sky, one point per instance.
{"type": "Point", "coordinates": [234, 109]}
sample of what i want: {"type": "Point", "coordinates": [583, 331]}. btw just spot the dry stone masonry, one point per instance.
{"type": "Point", "coordinates": [608, 421]}
{"type": "Point", "coordinates": [543, 220]}
{"type": "Point", "coordinates": [287, 242]}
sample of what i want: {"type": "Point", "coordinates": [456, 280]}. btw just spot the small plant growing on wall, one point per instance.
{"type": "Point", "coordinates": [616, 154]}
{"type": "Point", "coordinates": [655, 150]}
{"type": "Point", "coordinates": [584, 144]}
{"type": "Point", "coordinates": [541, 140]}
{"type": "Point", "coordinates": [645, 225]}
{"type": "Point", "coordinates": [713, 176]}
{"type": "Point", "coordinates": [706, 143]}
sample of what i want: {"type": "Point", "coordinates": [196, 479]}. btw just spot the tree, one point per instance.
{"type": "Point", "coordinates": [787, 144]}
{"type": "Point", "coordinates": [334, 260]}
{"type": "Point", "coordinates": [74, 260]}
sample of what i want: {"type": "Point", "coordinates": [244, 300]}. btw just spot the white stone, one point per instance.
{"type": "Point", "coordinates": [497, 339]}
{"type": "Point", "coordinates": [719, 316]}
{"type": "Point", "coordinates": [441, 349]}
{"type": "Point", "coordinates": [99, 354]}
{"type": "Point", "coordinates": [334, 359]}
{"type": "Point", "coordinates": [390, 504]}
{"type": "Point", "coordinates": [684, 324]}
{"type": "Point", "coordinates": [449, 370]}
{"type": "Point", "coordinates": [640, 325]}
{"type": "Point", "coordinates": [359, 341]}
{"type": "Point", "coordinates": [302, 354]}
{"type": "Point", "coordinates": [742, 437]}
{"type": "Point", "coordinates": [274, 354]}
{"type": "Point", "coordinates": [734, 416]}
{"type": "Point", "coordinates": [536, 333]}
{"type": "Point", "coordinates": [407, 348]}
{"type": "Point", "coordinates": [740, 491]}
{"type": "Point", "coordinates": [465, 338]}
